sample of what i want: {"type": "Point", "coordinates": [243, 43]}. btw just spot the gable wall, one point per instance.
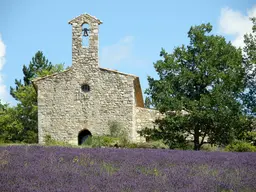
{"type": "Point", "coordinates": [64, 110]}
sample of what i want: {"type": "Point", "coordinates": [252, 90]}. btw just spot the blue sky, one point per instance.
{"type": "Point", "coordinates": [131, 36]}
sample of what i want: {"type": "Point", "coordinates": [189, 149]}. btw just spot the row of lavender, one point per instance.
{"type": "Point", "coordinates": [37, 168]}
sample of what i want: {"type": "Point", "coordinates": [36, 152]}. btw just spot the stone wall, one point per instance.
{"type": "Point", "coordinates": [82, 54]}
{"type": "Point", "coordinates": [145, 118]}
{"type": "Point", "coordinates": [64, 110]}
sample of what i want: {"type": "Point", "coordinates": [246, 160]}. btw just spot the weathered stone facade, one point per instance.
{"type": "Point", "coordinates": [145, 118]}
{"type": "Point", "coordinates": [65, 109]}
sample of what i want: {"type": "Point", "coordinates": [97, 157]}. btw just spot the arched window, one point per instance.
{"type": "Point", "coordinates": [85, 35]}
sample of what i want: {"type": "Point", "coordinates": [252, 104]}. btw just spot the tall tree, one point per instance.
{"type": "Point", "coordinates": [249, 95]}
{"type": "Point", "coordinates": [37, 65]}
{"type": "Point", "coordinates": [26, 96]}
{"type": "Point", "coordinates": [205, 79]}
{"type": "Point", "coordinates": [249, 61]}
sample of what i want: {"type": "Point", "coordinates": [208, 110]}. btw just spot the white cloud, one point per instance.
{"type": "Point", "coordinates": [3, 90]}
{"type": "Point", "coordinates": [113, 55]}
{"type": "Point", "coordinates": [234, 23]}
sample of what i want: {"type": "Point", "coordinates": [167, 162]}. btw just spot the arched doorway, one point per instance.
{"type": "Point", "coordinates": [83, 136]}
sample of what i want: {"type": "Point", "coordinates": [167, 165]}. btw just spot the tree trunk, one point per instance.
{"type": "Point", "coordinates": [196, 140]}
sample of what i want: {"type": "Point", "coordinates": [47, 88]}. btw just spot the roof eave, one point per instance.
{"type": "Point", "coordinates": [93, 17]}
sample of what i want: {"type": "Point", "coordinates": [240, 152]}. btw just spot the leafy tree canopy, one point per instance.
{"type": "Point", "coordinates": [19, 123]}
{"type": "Point", "coordinates": [249, 61]}
{"type": "Point", "coordinates": [206, 79]}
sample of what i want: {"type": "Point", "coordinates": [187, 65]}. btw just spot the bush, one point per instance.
{"type": "Point", "coordinates": [118, 131]}
{"type": "Point", "coordinates": [124, 141]}
{"type": "Point", "coordinates": [50, 141]}
{"type": "Point", "coordinates": [188, 145]}
{"type": "Point", "coordinates": [108, 141]}
{"type": "Point", "coordinates": [158, 145]}
{"type": "Point", "coordinates": [250, 137]}
{"type": "Point", "coordinates": [138, 145]}
{"type": "Point", "coordinates": [100, 141]}
{"type": "Point", "coordinates": [88, 141]}
{"type": "Point", "coordinates": [240, 146]}
{"type": "Point", "coordinates": [148, 145]}
{"type": "Point", "coordinates": [115, 128]}
{"type": "Point", "coordinates": [210, 147]}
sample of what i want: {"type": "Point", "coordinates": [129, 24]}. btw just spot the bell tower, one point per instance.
{"type": "Point", "coordinates": [85, 56]}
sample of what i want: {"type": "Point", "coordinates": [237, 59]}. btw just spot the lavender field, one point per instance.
{"type": "Point", "coordinates": [60, 169]}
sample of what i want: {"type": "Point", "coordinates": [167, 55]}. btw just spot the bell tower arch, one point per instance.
{"type": "Point", "coordinates": [85, 26]}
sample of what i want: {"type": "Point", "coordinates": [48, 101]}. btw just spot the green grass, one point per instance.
{"type": "Point", "coordinates": [121, 142]}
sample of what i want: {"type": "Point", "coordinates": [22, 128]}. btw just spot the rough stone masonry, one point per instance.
{"type": "Point", "coordinates": [88, 97]}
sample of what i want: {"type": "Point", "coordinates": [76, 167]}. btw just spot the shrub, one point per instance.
{"type": "Point", "coordinates": [88, 141]}
{"type": "Point", "coordinates": [184, 146]}
{"type": "Point", "coordinates": [210, 147]}
{"type": "Point", "coordinates": [115, 128]}
{"type": "Point", "coordinates": [148, 145]}
{"type": "Point", "coordinates": [250, 137]}
{"type": "Point", "coordinates": [118, 131]}
{"type": "Point", "coordinates": [124, 141]}
{"type": "Point", "coordinates": [158, 144]}
{"type": "Point", "coordinates": [100, 141]}
{"type": "Point", "coordinates": [240, 146]}
{"type": "Point", "coordinates": [138, 145]}
{"type": "Point", "coordinates": [3, 142]}
{"type": "Point", "coordinates": [50, 141]}
{"type": "Point", "coordinates": [109, 141]}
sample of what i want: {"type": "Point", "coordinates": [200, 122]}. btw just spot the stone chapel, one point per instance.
{"type": "Point", "coordinates": [82, 100]}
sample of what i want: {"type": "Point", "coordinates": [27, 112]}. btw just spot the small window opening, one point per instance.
{"type": "Point", "coordinates": [85, 35]}
{"type": "Point", "coordinates": [85, 88]}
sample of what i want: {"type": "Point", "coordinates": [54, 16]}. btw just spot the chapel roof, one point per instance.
{"type": "Point", "coordinates": [77, 19]}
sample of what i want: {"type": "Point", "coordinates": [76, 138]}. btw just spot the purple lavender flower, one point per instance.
{"type": "Point", "coordinates": [38, 168]}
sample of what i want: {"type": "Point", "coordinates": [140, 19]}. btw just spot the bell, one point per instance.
{"type": "Point", "coordinates": [85, 30]}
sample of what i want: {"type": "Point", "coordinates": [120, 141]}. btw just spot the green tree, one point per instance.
{"type": "Point", "coordinates": [26, 96]}
{"type": "Point", "coordinates": [249, 61]}
{"type": "Point", "coordinates": [10, 127]}
{"type": "Point", "coordinates": [148, 103]}
{"type": "Point", "coordinates": [36, 67]}
{"type": "Point", "coordinates": [249, 96]}
{"type": "Point", "coordinates": [205, 79]}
